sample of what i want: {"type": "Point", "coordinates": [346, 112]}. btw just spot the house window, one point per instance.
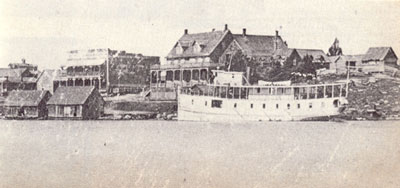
{"type": "Point", "coordinates": [228, 57]}
{"type": "Point", "coordinates": [60, 110]}
{"type": "Point", "coordinates": [264, 106]}
{"type": "Point", "coordinates": [216, 103]}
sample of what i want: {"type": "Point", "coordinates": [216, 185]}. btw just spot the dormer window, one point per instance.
{"type": "Point", "coordinates": [178, 49]}
{"type": "Point", "coordinates": [196, 47]}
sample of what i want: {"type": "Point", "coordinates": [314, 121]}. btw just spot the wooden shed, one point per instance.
{"type": "Point", "coordinates": [383, 56]}
{"type": "Point", "coordinates": [26, 104]}
{"type": "Point", "coordinates": [80, 102]}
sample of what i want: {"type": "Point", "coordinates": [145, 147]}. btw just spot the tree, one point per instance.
{"type": "Point", "coordinates": [335, 49]}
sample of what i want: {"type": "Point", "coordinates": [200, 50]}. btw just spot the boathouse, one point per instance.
{"type": "Point", "coordinates": [26, 104]}
{"type": "Point", "coordinates": [83, 102]}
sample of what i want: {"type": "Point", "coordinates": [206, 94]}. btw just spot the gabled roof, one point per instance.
{"type": "Point", "coordinates": [377, 53]}
{"type": "Point", "coordinates": [76, 95]}
{"type": "Point", "coordinates": [8, 72]}
{"type": "Point", "coordinates": [356, 58]}
{"type": "Point", "coordinates": [50, 72]}
{"type": "Point", "coordinates": [208, 41]}
{"type": "Point", "coordinates": [315, 53]}
{"type": "Point", "coordinates": [333, 59]}
{"type": "Point", "coordinates": [260, 45]}
{"type": "Point", "coordinates": [25, 98]}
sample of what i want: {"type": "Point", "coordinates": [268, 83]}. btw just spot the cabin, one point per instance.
{"type": "Point", "coordinates": [381, 57]}
{"type": "Point", "coordinates": [26, 104]}
{"type": "Point", "coordinates": [80, 102]}
{"type": "Point", "coordinates": [353, 63]}
{"type": "Point", "coordinates": [228, 78]}
{"type": "Point", "coordinates": [318, 57]}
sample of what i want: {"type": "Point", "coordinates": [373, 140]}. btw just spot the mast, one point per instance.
{"type": "Point", "coordinates": [348, 79]}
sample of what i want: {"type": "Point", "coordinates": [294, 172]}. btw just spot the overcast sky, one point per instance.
{"type": "Point", "coordinates": [42, 31]}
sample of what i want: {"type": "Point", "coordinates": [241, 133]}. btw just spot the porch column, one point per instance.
{"type": "Point", "coordinates": [181, 77]}
{"type": "Point", "coordinates": [333, 90]}
{"type": "Point", "coordinates": [199, 76]}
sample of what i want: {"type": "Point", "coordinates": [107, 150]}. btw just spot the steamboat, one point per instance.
{"type": "Point", "coordinates": [230, 99]}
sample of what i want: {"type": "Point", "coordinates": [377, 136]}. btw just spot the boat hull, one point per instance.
{"type": "Point", "coordinates": [202, 108]}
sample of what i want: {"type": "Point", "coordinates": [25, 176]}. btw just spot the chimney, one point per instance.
{"type": "Point", "coordinates": [213, 30]}
{"type": "Point", "coordinates": [185, 32]}
{"type": "Point", "coordinates": [23, 61]}
{"type": "Point", "coordinates": [244, 31]}
{"type": "Point", "coordinates": [226, 27]}
{"type": "Point", "coordinates": [276, 40]}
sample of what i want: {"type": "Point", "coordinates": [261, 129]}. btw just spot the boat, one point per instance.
{"type": "Point", "coordinates": [227, 99]}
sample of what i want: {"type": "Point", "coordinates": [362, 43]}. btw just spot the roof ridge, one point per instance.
{"type": "Point", "coordinates": [253, 35]}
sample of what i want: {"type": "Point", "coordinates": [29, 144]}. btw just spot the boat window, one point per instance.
{"type": "Point", "coordinates": [192, 101]}
{"type": "Point", "coordinates": [234, 105]}
{"type": "Point", "coordinates": [288, 106]}
{"type": "Point", "coordinates": [277, 106]}
{"type": "Point", "coordinates": [310, 105]}
{"type": "Point", "coordinates": [298, 106]}
{"type": "Point", "coordinates": [264, 106]}
{"type": "Point", "coordinates": [251, 105]}
{"type": "Point", "coordinates": [258, 90]}
{"type": "Point", "coordinates": [205, 103]}
{"type": "Point", "coordinates": [216, 103]}
{"type": "Point", "coordinates": [336, 103]}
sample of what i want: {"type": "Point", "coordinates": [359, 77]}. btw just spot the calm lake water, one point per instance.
{"type": "Point", "coordinates": [198, 154]}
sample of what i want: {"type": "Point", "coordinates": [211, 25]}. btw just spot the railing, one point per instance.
{"type": "Point", "coordinates": [276, 92]}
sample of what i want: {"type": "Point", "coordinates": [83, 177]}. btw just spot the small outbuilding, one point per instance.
{"type": "Point", "coordinates": [384, 56]}
{"type": "Point", "coordinates": [26, 104]}
{"type": "Point", "coordinates": [80, 102]}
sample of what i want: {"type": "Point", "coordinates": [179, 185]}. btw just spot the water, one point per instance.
{"type": "Point", "coordinates": [197, 154]}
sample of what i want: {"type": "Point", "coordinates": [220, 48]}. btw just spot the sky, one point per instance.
{"type": "Point", "coordinates": [42, 31]}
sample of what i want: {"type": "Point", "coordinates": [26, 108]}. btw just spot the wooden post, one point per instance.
{"type": "Point", "coordinates": [324, 91]}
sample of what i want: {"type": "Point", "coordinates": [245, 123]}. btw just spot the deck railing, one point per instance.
{"type": "Point", "coordinates": [292, 92]}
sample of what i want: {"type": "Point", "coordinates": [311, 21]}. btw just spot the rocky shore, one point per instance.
{"type": "Point", "coordinates": [373, 98]}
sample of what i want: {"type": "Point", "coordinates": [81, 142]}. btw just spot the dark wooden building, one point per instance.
{"type": "Point", "coordinates": [26, 104]}
{"type": "Point", "coordinates": [16, 79]}
{"type": "Point", "coordinates": [80, 102]}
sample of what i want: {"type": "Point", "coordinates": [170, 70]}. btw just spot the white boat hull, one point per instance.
{"type": "Point", "coordinates": [199, 108]}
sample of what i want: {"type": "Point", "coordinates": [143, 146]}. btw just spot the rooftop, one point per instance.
{"type": "Point", "coordinates": [25, 98]}
{"type": "Point", "coordinates": [71, 95]}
